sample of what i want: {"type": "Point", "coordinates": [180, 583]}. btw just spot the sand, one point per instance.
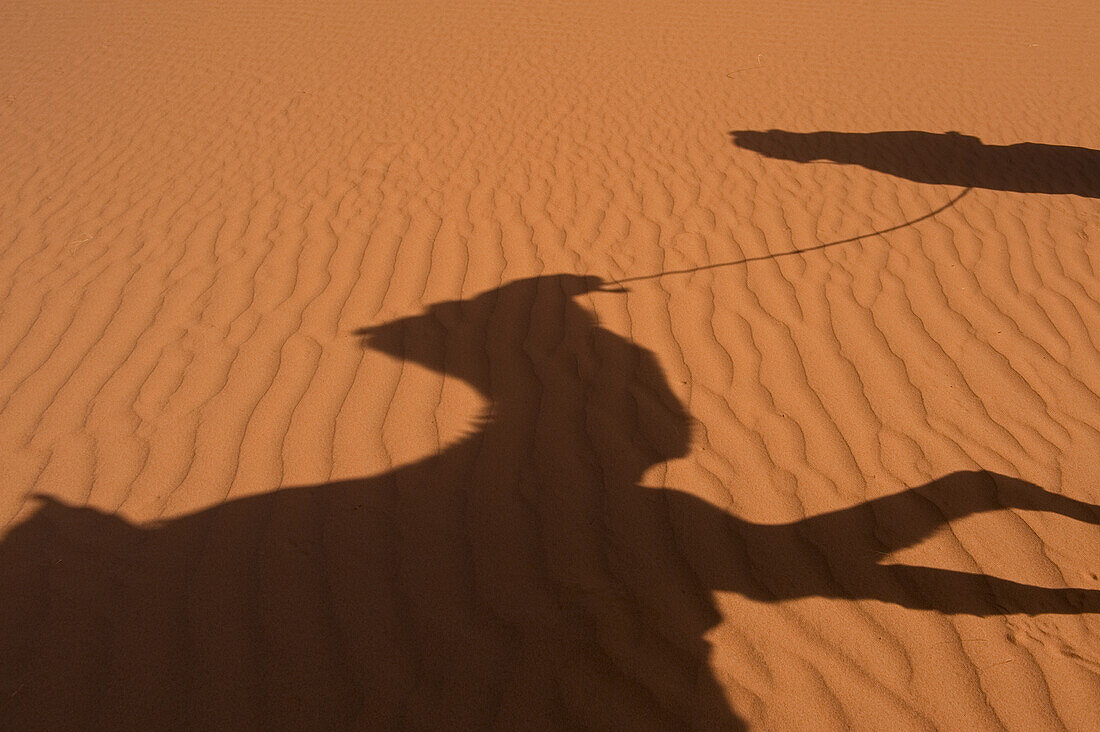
{"type": "Point", "coordinates": [549, 365]}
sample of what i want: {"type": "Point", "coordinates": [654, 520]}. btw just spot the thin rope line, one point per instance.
{"type": "Point", "coordinates": [762, 257]}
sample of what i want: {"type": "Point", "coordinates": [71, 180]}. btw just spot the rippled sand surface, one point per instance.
{"type": "Point", "coordinates": [556, 365]}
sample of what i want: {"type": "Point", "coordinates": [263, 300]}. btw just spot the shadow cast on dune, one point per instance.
{"type": "Point", "coordinates": [946, 159]}
{"type": "Point", "coordinates": [519, 578]}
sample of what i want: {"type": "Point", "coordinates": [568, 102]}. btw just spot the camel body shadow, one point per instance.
{"type": "Point", "coordinates": [944, 159]}
{"type": "Point", "coordinates": [520, 578]}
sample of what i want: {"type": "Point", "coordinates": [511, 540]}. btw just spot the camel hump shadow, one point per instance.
{"type": "Point", "coordinates": [519, 577]}
{"type": "Point", "coordinates": [945, 159]}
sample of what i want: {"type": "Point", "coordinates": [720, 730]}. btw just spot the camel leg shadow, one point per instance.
{"type": "Point", "coordinates": [837, 554]}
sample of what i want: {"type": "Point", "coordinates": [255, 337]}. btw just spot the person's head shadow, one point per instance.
{"type": "Point", "coordinates": [947, 159]}
{"type": "Point", "coordinates": [521, 576]}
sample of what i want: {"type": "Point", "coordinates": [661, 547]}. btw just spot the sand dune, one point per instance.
{"type": "Point", "coordinates": [408, 365]}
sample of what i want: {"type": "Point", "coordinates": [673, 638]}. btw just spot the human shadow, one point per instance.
{"type": "Point", "coordinates": [947, 159]}
{"type": "Point", "coordinates": [519, 578]}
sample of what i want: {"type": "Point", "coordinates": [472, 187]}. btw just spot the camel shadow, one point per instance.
{"type": "Point", "coordinates": [946, 159]}
{"type": "Point", "coordinates": [519, 578]}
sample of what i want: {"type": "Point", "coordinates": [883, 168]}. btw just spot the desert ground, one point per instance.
{"type": "Point", "coordinates": [559, 365]}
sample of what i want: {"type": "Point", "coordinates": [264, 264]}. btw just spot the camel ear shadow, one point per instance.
{"type": "Point", "coordinates": [574, 285]}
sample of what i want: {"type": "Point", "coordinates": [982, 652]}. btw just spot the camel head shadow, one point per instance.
{"type": "Point", "coordinates": [544, 362]}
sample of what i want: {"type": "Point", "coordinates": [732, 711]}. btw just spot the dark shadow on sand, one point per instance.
{"type": "Point", "coordinates": [520, 578]}
{"type": "Point", "coordinates": [944, 159]}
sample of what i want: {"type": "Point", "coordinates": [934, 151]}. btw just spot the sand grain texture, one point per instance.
{"type": "Point", "coordinates": [338, 387]}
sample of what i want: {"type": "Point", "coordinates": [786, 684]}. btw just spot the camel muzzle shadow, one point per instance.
{"type": "Point", "coordinates": [520, 577]}
{"type": "Point", "coordinates": [945, 159]}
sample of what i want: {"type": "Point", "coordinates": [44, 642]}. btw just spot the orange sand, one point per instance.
{"type": "Point", "coordinates": [549, 365]}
